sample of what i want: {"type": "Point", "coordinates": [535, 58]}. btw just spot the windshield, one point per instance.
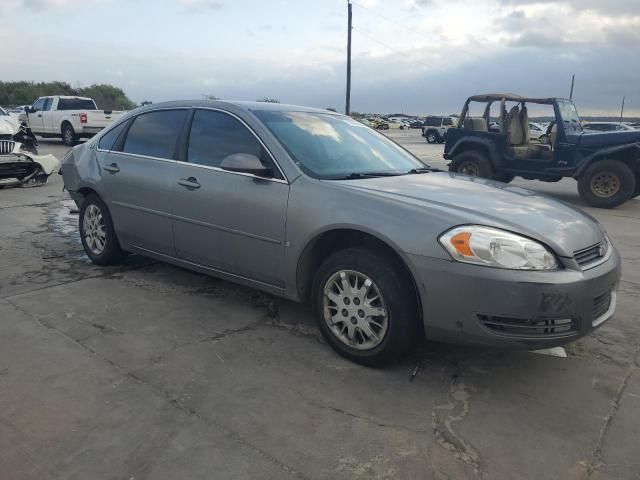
{"type": "Point", "coordinates": [569, 116]}
{"type": "Point", "coordinates": [330, 146]}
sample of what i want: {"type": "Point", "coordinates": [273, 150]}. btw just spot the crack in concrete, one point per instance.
{"type": "Point", "coordinates": [176, 402]}
{"type": "Point", "coordinates": [596, 462]}
{"type": "Point", "coordinates": [367, 419]}
{"type": "Point", "coordinates": [456, 408]}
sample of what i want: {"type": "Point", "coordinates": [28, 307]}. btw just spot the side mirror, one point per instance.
{"type": "Point", "coordinates": [246, 163]}
{"type": "Point", "coordinates": [29, 110]}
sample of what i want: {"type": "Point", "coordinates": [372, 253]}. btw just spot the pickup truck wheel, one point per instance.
{"type": "Point", "coordinates": [607, 184]}
{"type": "Point", "coordinates": [473, 164]}
{"type": "Point", "coordinates": [97, 234]}
{"type": "Point", "coordinates": [365, 306]}
{"type": "Point", "coordinates": [431, 136]}
{"type": "Point", "coordinates": [68, 135]}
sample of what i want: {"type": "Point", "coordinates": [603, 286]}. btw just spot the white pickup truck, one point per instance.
{"type": "Point", "coordinates": [68, 117]}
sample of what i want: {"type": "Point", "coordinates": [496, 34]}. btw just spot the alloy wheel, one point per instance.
{"type": "Point", "coordinates": [94, 229]}
{"type": "Point", "coordinates": [354, 310]}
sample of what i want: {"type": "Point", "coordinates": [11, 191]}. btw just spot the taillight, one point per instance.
{"type": "Point", "coordinates": [83, 118]}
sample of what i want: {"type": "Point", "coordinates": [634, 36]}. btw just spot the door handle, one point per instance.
{"type": "Point", "coordinates": [190, 183]}
{"type": "Point", "coordinates": [113, 168]}
{"type": "Point", "coordinates": [39, 115]}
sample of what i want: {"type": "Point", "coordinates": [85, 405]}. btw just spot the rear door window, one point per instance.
{"type": "Point", "coordinates": [155, 134]}
{"type": "Point", "coordinates": [109, 138]}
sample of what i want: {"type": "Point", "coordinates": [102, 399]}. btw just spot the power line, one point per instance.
{"type": "Point", "coordinates": [373, 39]}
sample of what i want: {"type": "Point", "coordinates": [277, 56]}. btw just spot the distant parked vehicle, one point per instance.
{"type": "Point", "coordinates": [606, 165]}
{"type": "Point", "coordinates": [435, 128]}
{"type": "Point", "coordinates": [69, 118]}
{"type": "Point", "coordinates": [20, 164]}
{"type": "Point", "coordinates": [536, 131]}
{"type": "Point", "coordinates": [606, 127]}
{"type": "Point", "coordinates": [313, 206]}
{"type": "Point", "coordinates": [416, 124]}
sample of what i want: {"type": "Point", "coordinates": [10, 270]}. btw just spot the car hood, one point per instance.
{"type": "Point", "coordinates": [9, 125]}
{"type": "Point", "coordinates": [474, 200]}
{"type": "Point", "coordinates": [607, 139]}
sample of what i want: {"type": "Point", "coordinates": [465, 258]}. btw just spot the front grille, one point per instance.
{"type": "Point", "coordinates": [589, 254]}
{"type": "Point", "coordinates": [601, 304]}
{"type": "Point", "coordinates": [537, 327]}
{"type": "Point", "coordinates": [7, 146]}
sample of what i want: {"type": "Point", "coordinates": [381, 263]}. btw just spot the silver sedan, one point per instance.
{"type": "Point", "coordinates": [313, 206]}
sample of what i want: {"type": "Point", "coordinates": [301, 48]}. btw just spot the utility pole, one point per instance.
{"type": "Point", "coordinates": [347, 107]}
{"type": "Point", "coordinates": [622, 109]}
{"type": "Point", "coordinates": [573, 77]}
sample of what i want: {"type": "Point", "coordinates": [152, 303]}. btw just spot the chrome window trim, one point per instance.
{"type": "Point", "coordinates": [197, 165]}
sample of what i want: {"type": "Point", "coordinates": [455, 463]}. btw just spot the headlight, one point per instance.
{"type": "Point", "coordinates": [493, 247]}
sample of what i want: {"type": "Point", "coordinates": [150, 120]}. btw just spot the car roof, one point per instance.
{"type": "Point", "coordinates": [66, 96]}
{"type": "Point", "coordinates": [245, 105]}
{"type": "Point", "coordinates": [487, 97]}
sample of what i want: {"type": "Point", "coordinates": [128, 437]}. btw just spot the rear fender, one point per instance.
{"type": "Point", "coordinates": [475, 143]}
{"type": "Point", "coordinates": [632, 148]}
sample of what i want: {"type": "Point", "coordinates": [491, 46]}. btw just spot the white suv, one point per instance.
{"type": "Point", "coordinates": [435, 128]}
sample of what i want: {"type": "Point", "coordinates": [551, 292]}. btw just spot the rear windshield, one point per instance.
{"type": "Point", "coordinates": [76, 104]}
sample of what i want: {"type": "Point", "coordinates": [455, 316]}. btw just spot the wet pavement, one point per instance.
{"type": "Point", "coordinates": [148, 371]}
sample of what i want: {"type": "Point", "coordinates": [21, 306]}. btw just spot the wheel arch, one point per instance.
{"type": "Point", "coordinates": [628, 154]}
{"type": "Point", "coordinates": [337, 238]}
{"type": "Point", "coordinates": [466, 144]}
{"type": "Point", "coordinates": [64, 122]}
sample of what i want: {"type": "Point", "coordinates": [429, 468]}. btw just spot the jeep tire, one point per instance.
{"type": "Point", "coordinates": [472, 163]}
{"type": "Point", "coordinates": [432, 136]}
{"type": "Point", "coordinates": [607, 184]}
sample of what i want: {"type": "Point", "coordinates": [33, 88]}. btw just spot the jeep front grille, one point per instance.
{"type": "Point", "coordinates": [589, 254]}
{"type": "Point", "coordinates": [7, 146]}
{"type": "Point", "coordinates": [537, 327]}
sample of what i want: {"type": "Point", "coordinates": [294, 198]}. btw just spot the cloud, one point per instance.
{"type": "Point", "coordinates": [10, 6]}
{"type": "Point", "coordinates": [607, 7]}
{"type": "Point", "coordinates": [196, 6]}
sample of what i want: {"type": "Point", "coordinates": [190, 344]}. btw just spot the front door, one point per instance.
{"type": "Point", "coordinates": [36, 120]}
{"type": "Point", "coordinates": [136, 175]}
{"type": "Point", "coordinates": [229, 221]}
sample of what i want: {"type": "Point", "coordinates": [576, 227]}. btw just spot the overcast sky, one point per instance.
{"type": "Point", "coordinates": [426, 56]}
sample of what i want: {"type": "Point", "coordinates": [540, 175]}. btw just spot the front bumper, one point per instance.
{"type": "Point", "coordinates": [472, 304]}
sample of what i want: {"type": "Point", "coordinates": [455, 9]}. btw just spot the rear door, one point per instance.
{"type": "Point", "coordinates": [136, 178]}
{"type": "Point", "coordinates": [229, 221]}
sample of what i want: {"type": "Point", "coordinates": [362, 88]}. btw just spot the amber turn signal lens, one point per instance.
{"type": "Point", "coordinates": [460, 242]}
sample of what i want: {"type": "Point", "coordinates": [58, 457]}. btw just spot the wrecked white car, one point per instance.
{"type": "Point", "coordinates": [20, 164]}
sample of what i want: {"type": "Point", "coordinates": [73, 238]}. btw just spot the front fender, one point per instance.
{"type": "Point", "coordinates": [467, 143]}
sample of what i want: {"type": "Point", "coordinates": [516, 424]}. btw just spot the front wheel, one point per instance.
{"type": "Point", "coordinates": [607, 184]}
{"type": "Point", "coordinates": [97, 233]}
{"type": "Point", "coordinates": [365, 306]}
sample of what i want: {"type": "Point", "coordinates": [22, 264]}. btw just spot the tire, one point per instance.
{"type": "Point", "coordinates": [68, 134]}
{"type": "Point", "coordinates": [504, 177]}
{"type": "Point", "coordinates": [90, 222]}
{"type": "Point", "coordinates": [431, 136]}
{"type": "Point", "coordinates": [607, 184]}
{"type": "Point", "coordinates": [472, 163]}
{"type": "Point", "coordinates": [636, 192]}
{"type": "Point", "coordinates": [394, 338]}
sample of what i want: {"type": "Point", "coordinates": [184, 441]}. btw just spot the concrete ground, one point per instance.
{"type": "Point", "coordinates": [147, 371]}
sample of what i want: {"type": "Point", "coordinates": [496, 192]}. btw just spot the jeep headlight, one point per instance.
{"type": "Point", "coordinates": [493, 247]}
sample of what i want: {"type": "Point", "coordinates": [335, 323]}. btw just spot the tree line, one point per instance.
{"type": "Point", "coordinates": [107, 97]}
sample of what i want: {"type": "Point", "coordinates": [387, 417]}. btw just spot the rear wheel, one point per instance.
{"type": "Point", "coordinates": [473, 164]}
{"type": "Point", "coordinates": [431, 136]}
{"type": "Point", "coordinates": [365, 306]}
{"type": "Point", "coordinates": [97, 234]}
{"type": "Point", "coordinates": [68, 134]}
{"type": "Point", "coordinates": [607, 184]}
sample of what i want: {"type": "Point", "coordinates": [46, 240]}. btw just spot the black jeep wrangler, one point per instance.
{"type": "Point", "coordinates": [606, 165]}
